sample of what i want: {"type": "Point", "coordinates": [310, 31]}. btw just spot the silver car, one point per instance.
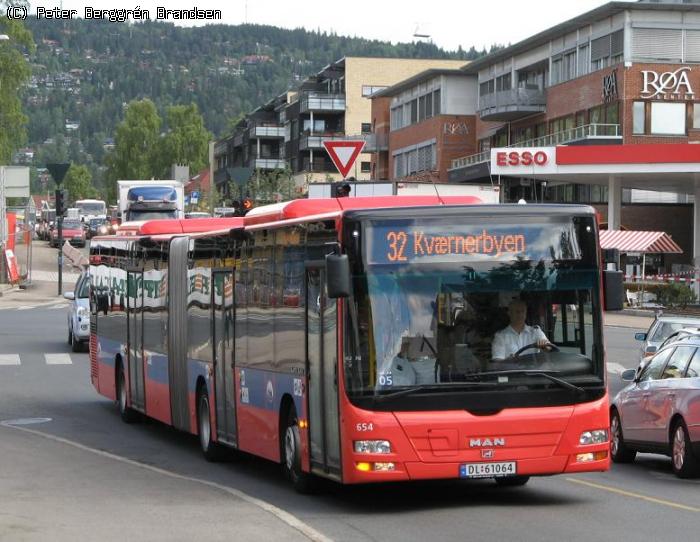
{"type": "Point", "coordinates": [660, 330]}
{"type": "Point", "coordinates": [659, 411]}
{"type": "Point", "coordinates": [79, 313]}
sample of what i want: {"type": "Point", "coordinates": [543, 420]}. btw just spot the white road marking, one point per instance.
{"type": "Point", "coordinates": [9, 359]}
{"type": "Point", "coordinates": [284, 516]}
{"type": "Point", "coordinates": [25, 307]}
{"type": "Point", "coordinates": [58, 359]}
{"type": "Point", "coordinates": [54, 307]}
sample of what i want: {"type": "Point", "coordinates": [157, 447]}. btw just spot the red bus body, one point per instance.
{"type": "Point", "coordinates": [426, 443]}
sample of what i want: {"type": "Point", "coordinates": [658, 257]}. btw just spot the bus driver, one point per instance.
{"type": "Point", "coordinates": [518, 334]}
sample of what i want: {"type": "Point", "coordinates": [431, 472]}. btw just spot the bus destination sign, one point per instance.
{"type": "Point", "coordinates": [406, 242]}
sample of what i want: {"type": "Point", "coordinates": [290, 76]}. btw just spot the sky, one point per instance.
{"type": "Point", "coordinates": [449, 23]}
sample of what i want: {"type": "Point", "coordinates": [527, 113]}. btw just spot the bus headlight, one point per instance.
{"type": "Point", "coordinates": [372, 447]}
{"type": "Point", "coordinates": [597, 436]}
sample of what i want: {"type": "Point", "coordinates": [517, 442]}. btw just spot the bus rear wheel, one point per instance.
{"type": "Point", "coordinates": [210, 449]}
{"type": "Point", "coordinates": [302, 481]}
{"type": "Point", "coordinates": [128, 415]}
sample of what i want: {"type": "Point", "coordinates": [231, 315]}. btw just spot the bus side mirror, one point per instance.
{"type": "Point", "coordinates": [337, 275]}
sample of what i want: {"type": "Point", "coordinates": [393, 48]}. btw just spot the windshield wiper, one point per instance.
{"type": "Point", "coordinates": [533, 372]}
{"type": "Point", "coordinates": [440, 387]}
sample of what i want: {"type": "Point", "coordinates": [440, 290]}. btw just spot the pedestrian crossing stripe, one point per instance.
{"type": "Point", "coordinates": [9, 359]}
{"type": "Point", "coordinates": [58, 359]}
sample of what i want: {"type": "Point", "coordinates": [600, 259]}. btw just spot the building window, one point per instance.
{"type": "Point", "coordinates": [696, 116]}
{"type": "Point", "coordinates": [365, 167]}
{"type": "Point", "coordinates": [421, 109]}
{"type": "Point", "coordinates": [503, 82]}
{"type": "Point", "coordinates": [436, 102]}
{"type": "Point", "coordinates": [428, 106]}
{"type": "Point", "coordinates": [414, 111]}
{"type": "Point", "coordinates": [638, 120]}
{"type": "Point", "coordinates": [668, 118]}
{"type": "Point", "coordinates": [368, 90]}
{"type": "Point", "coordinates": [366, 128]}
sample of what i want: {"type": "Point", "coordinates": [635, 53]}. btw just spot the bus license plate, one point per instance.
{"type": "Point", "coordinates": [487, 470]}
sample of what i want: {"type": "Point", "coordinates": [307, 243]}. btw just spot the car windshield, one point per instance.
{"type": "Point", "coordinates": [71, 225]}
{"type": "Point", "coordinates": [665, 329]}
{"type": "Point", "coordinates": [92, 208]}
{"type": "Point", "coordinates": [429, 317]}
{"type": "Point", "coordinates": [84, 290]}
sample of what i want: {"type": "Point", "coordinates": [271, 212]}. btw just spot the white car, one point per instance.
{"type": "Point", "coordinates": [79, 313]}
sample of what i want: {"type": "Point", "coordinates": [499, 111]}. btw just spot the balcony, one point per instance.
{"type": "Point", "coordinates": [267, 131]}
{"type": "Point", "coordinates": [587, 132]}
{"type": "Point", "coordinates": [315, 141]}
{"type": "Point", "coordinates": [376, 142]}
{"type": "Point", "coordinates": [316, 101]}
{"type": "Point", "coordinates": [270, 163]}
{"type": "Point", "coordinates": [508, 105]}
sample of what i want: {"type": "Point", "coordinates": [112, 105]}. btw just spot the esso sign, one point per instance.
{"type": "Point", "coordinates": [521, 158]}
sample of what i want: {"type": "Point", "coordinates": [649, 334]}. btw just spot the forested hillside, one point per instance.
{"type": "Point", "coordinates": [84, 72]}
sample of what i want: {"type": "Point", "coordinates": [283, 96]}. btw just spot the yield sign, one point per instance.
{"type": "Point", "coordinates": [344, 154]}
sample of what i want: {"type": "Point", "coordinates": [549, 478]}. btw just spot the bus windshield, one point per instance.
{"type": "Point", "coordinates": [434, 299]}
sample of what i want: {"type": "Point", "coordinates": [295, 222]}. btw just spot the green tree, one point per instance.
{"type": "Point", "coordinates": [186, 141]}
{"type": "Point", "coordinates": [14, 71]}
{"type": "Point", "coordinates": [78, 182]}
{"type": "Point", "coordinates": [135, 154]}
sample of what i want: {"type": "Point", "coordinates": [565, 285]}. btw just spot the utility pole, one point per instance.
{"type": "Point", "coordinates": [58, 172]}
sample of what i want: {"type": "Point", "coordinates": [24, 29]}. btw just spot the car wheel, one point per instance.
{"type": "Point", "coordinates": [302, 481]}
{"type": "Point", "coordinates": [76, 345]}
{"type": "Point", "coordinates": [685, 464]}
{"type": "Point", "coordinates": [512, 481]}
{"type": "Point", "coordinates": [128, 415]}
{"type": "Point", "coordinates": [619, 452]}
{"type": "Point", "coordinates": [211, 450]}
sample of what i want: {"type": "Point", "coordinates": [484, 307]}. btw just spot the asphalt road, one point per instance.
{"type": "Point", "coordinates": [85, 474]}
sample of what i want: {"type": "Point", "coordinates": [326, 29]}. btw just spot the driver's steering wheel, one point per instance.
{"type": "Point", "coordinates": [549, 346]}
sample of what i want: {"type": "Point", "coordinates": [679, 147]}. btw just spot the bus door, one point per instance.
{"type": "Point", "coordinates": [134, 314]}
{"type": "Point", "coordinates": [222, 317]}
{"type": "Point", "coordinates": [321, 368]}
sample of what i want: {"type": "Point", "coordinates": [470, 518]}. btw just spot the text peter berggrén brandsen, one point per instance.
{"type": "Point", "coordinates": [135, 14]}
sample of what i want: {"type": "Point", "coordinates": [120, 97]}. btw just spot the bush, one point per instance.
{"type": "Point", "coordinates": [668, 295]}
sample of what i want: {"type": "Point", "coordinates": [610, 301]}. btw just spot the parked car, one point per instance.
{"type": "Point", "coordinates": [659, 410]}
{"type": "Point", "coordinates": [79, 313]}
{"type": "Point", "coordinates": [660, 330]}
{"type": "Point", "coordinates": [73, 232]}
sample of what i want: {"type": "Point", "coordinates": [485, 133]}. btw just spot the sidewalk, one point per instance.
{"type": "Point", "coordinates": [640, 320]}
{"type": "Point", "coordinates": [39, 292]}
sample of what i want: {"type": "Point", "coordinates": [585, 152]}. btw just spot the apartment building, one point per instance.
{"type": "Point", "coordinates": [421, 124]}
{"type": "Point", "coordinates": [288, 132]}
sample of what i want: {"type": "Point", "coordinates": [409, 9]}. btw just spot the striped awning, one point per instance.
{"type": "Point", "coordinates": [639, 241]}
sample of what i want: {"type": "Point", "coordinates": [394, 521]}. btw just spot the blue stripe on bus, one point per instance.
{"type": "Point", "coordinates": [266, 388]}
{"type": "Point", "coordinates": [195, 369]}
{"type": "Point", "coordinates": [107, 350]}
{"type": "Point", "coordinates": [157, 367]}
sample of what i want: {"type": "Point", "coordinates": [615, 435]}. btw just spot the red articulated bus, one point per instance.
{"type": "Point", "coordinates": [361, 339]}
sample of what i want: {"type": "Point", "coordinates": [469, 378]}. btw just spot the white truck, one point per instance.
{"type": "Point", "coordinates": [487, 193]}
{"type": "Point", "coordinates": [148, 200]}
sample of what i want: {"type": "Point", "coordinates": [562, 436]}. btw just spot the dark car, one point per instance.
{"type": "Point", "coordinates": [659, 411]}
{"type": "Point", "coordinates": [98, 226]}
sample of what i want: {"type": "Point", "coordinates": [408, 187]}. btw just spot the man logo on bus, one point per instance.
{"type": "Point", "coordinates": [270, 391]}
{"type": "Point", "coordinates": [484, 442]}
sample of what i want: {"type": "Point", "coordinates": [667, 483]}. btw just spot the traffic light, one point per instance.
{"type": "Point", "coordinates": [247, 205]}
{"type": "Point", "coordinates": [60, 202]}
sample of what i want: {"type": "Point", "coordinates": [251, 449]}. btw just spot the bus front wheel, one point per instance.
{"type": "Point", "coordinates": [302, 481]}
